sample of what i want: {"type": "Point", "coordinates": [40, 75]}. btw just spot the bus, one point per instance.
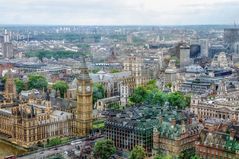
{"type": "Point", "coordinates": [76, 142]}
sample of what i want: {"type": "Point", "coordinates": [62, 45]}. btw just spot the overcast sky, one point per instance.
{"type": "Point", "coordinates": [119, 12]}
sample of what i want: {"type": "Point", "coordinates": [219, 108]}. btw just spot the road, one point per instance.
{"type": "Point", "coordinates": [44, 153]}
{"type": "Point", "coordinates": [48, 152]}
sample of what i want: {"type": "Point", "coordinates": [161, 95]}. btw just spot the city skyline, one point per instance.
{"type": "Point", "coordinates": [106, 12]}
{"type": "Point", "coordinates": [136, 79]}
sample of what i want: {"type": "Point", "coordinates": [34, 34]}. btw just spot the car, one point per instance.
{"type": "Point", "coordinates": [56, 148]}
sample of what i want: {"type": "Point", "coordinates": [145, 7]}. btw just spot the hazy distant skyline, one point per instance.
{"type": "Point", "coordinates": [119, 12]}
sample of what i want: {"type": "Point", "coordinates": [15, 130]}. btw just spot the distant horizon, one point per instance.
{"type": "Point", "coordinates": [119, 25]}
{"type": "Point", "coordinates": [119, 12]}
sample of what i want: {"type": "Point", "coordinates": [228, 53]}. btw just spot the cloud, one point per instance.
{"type": "Point", "coordinates": [118, 12]}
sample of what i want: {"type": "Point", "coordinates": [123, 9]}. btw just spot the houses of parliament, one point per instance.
{"type": "Point", "coordinates": [31, 121]}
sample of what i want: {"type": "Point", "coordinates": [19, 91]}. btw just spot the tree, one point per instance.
{"type": "Point", "coordinates": [195, 157]}
{"type": "Point", "coordinates": [103, 149]}
{"type": "Point", "coordinates": [139, 95]}
{"type": "Point", "coordinates": [114, 71]}
{"type": "Point", "coordinates": [95, 70]}
{"type": "Point", "coordinates": [168, 157]}
{"type": "Point", "coordinates": [36, 81]}
{"type": "Point", "coordinates": [168, 85]}
{"type": "Point", "coordinates": [143, 93]}
{"type": "Point", "coordinates": [187, 154]}
{"type": "Point", "coordinates": [4, 79]}
{"type": "Point", "coordinates": [20, 85]}
{"type": "Point", "coordinates": [137, 153]}
{"type": "Point", "coordinates": [151, 85]}
{"type": "Point", "coordinates": [152, 95]}
{"type": "Point", "coordinates": [158, 98]}
{"type": "Point", "coordinates": [58, 54]}
{"type": "Point", "coordinates": [163, 157]}
{"type": "Point", "coordinates": [61, 86]}
{"type": "Point", "coordinates": [115, 106]}
{"type": "Point", "coordinates": [41, 55]}
{"type": "Point", "coordinates": [158, 157]}
{"type": "Point", "coordinates": [98, 92]}
{"type": "Point", "coordinates": [188, 100]}
{"type": "Point", "coordinates": [57, 156]}
{"type": "Point", "coordinates": [177, 99]}
{"type": "Point", "coordinates": [54, 142]}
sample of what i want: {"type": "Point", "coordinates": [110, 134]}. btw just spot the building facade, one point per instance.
{"type": "Point", "coordinates": [184, 56]}
{"type": "Point", "coordinates": [200, 85]}
{"type": "Point", "coordinates": [231, 36]}
{"type": "Point", "coordinates": [171, 72]}
{"type": "Point", "coordinates": [224, 107]}
{"type": "Point", "coordinates": [7, 47]}
{"type": "Point", "coordinates": [34, 120]}
{"type": "Point", "coordinates": [157, 129]}
{"type": "Point", "coordinates": [135, 65]}
{"type": "Point", "coordinates": [221, 61]}
{"type": "Point", "coordinates": [175, 133]}
{"type": "Point", "coordinates": [215, 144]}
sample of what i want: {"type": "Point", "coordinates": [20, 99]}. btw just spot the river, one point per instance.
{"type": "Point", "coordinates": [7, 149]}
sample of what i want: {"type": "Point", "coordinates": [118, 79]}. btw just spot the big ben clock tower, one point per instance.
{"type": "Point", "coordinates": [83, 122]}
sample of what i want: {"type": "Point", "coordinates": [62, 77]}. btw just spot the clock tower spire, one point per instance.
{"type": "Point", "coordinates": [84, 109]}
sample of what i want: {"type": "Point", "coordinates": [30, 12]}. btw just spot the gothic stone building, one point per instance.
{"type": "Point", "coordinates": [28, 122]}
{"type": "Point", "coordinates": [31, 123]}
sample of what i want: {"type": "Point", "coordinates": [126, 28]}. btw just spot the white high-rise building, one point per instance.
{"type": "Point", "coordinates": [6, 37]}
{"type": "Point", "coordinates": [171, 72]}
{"type": "Point", "coordinates": [7, 47]}
{"type": "Point", "coordinates": [184, 56]}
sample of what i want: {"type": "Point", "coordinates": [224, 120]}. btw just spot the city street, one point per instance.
{"type": "Point", "coordinates": [44, 153]}
{"type": "Point", "coordinates": [48, 152]}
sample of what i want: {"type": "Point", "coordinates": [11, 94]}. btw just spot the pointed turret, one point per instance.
{"type": "Point", "coordinates": [10, 87]}
{"type": "Point", "coordinates": [84, 73]}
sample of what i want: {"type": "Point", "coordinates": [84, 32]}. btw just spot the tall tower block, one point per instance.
{"type": "Point", "coordinates": [84, 109]}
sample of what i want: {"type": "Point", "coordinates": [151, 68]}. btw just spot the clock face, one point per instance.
{"type": "Point", "coordinates": [87, 88]}
{"type": "Point", "coordinates": [80, 89]}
